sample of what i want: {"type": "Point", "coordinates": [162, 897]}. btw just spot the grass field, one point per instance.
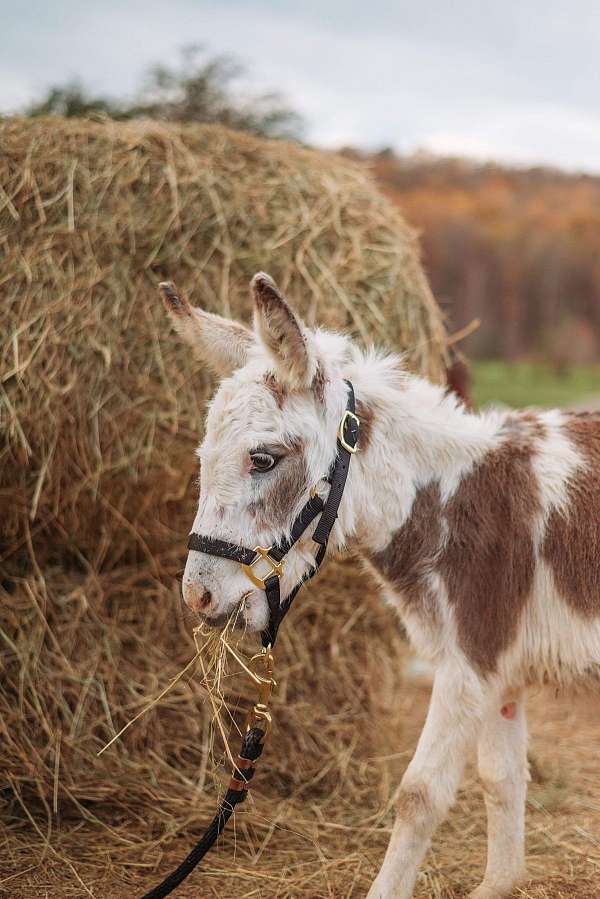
{"type": "Point", "coordinates": [532, 384]}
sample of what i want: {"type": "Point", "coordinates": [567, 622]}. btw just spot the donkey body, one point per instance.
{"type": "Point", "coordinates": [483, 531]}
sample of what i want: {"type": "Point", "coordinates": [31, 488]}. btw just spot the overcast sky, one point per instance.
{"type": "Point", "coordinates": [515, 81]}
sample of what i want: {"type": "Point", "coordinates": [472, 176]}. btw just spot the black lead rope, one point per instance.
{"type": "Point", "coordinates": [253, 741]}
{"type": "Point", "coordinates": [250, 752]}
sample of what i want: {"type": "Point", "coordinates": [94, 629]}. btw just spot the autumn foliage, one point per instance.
{"type": "Point", "coordinates": [519, 249]}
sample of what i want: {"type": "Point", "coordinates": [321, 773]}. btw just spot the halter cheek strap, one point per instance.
{"type": "Point", "coordinates": [252, 560]}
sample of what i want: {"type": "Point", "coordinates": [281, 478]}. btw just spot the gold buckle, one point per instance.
{"type": "Point", "coordinates": [347, 414]}
{"type": "Point", "coordinates": [262, 552]}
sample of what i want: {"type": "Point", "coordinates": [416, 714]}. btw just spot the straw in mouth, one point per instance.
{"type": "Point", "coordinates": [235, 616]}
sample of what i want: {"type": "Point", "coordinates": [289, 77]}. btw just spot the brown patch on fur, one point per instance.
{"type": "Point", "coordinates": [486, 557]}
{"type": "Point", "coordinates": [458, 377]}
{"type": "Point", "coordinates": [571, 546]}
{"type": "Point", "coordinates": [488, 560]}
{"type": "Point", "coordinates": [412, 803]}
{"type": "Point", "coordinates": [367, 417]}
{"type": "Point", "coordinates": [524, 428]}
{"type": "Point", "coordinates": [289, 480]}
{"type": "Point", "coordinates": [413, 551]}
{"type": "Point", "coordinates": [319, 383]}
{"type": "Point", "coordinates": [278, 389]}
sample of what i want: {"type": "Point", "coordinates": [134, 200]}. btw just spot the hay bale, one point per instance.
{"type": "Point", "coordinates": [100, 403]}
{"type": "Point", "coordinates": [102, 406]}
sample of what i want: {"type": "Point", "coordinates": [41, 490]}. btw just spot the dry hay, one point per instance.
{"type": "Point", "coordinates": [97, 397]}
{"type": "Point", "coordinates": [102, 407]}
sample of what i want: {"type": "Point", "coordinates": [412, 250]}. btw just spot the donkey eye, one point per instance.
{"type": "Point", "coordinates": [263, 461]}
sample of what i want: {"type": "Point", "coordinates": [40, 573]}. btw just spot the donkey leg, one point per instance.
{"type": "Point", "coordinates": [502, 763]}
{"type": "Point", "coordinates": [431, 780]}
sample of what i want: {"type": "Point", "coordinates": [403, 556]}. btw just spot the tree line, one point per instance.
{"type": "Point", "coordinates": [516, 248]}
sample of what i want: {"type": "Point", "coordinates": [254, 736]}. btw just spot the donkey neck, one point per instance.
{"type": "Point", "coordinates": [413, 434]}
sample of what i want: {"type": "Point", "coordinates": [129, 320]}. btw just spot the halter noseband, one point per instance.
{"type": "Point", "coordinates": [274, 556]}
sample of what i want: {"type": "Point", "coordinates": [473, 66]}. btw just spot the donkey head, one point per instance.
{"type": "Point", "coordinates": [270, 439]}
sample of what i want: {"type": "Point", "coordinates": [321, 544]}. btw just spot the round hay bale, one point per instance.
{"type": "Point", "coordinates": [101, 407]}
{"type": "Point", "coordinates": [100, 403]}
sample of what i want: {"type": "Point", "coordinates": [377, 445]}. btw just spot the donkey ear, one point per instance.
{"type": "Point", "coordinates": [222, 343]}
{"type": "Point", "coordinates": [282, 333]}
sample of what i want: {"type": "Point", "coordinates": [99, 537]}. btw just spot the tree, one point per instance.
{"type": "Point", "coordinates": [200, 89]}
{"type": "Point", "coordinates": [204, 91]}
{"type": "Point", "coordinates": [72, 101]}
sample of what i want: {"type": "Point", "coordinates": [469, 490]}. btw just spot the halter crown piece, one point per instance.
{"type": "Point", "coordinates": [252, 562]}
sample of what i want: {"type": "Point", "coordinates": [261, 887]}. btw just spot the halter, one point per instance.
{"type": "Point", "coordinates": [258, 723]}
{"type": "Point", "coordinates": [253, 560]}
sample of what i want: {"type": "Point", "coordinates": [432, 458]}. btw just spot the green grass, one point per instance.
{"type": "Point", "coordinates": [521, 384]}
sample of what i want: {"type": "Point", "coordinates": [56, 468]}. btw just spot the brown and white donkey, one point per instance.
{"type": "Point", "coordinates": [482, 529]}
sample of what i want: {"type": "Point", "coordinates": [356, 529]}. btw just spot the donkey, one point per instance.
{"type": "Point", "coordinates": [482, 531]}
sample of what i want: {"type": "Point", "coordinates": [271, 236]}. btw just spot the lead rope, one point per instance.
{"type": "Point", "coordinates": [250, 751]}
{"type": "Point", "coordinates": [258, 725]}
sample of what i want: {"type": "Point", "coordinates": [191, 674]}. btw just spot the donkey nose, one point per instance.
{"type": "Point", "coordinates": [196, 597]}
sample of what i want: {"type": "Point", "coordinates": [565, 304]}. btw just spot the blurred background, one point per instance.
{"type": "Point", "coordinates": [425, 176]}
{"type": "Point", "coordinates": [480, 121]}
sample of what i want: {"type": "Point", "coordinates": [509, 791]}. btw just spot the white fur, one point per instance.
{"type": "Point", "coordinates": [555, 462]}
{"type": "Point", "coordinates": [552, 643]}
{"type": "Point", "coordinates": [502, 766]}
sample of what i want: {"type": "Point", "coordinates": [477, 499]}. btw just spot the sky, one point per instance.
{"type": "Point", "coordinates": [513, 81]}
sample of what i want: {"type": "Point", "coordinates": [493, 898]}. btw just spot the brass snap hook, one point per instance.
{"type": "Point", "coordinates": [264, 679]}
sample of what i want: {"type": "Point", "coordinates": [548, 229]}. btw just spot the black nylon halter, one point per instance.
{"type": "Point", "coordinates": [253, 739]}
{"type": "Point", "coordinates": [347, 440]}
